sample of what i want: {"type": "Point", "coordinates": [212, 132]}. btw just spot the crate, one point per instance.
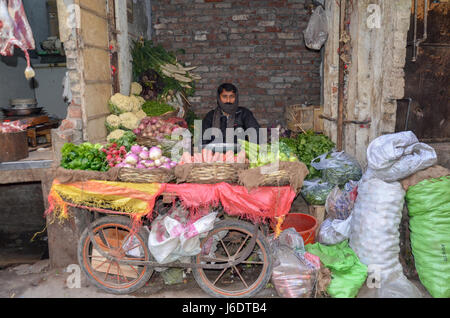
{"type": "Point", "coordinates": [302, 118]}
{"type": "Point", "coordinates": [317, 211]}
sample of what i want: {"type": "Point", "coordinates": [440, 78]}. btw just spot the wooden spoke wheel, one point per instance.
{"type": "Point", "coordinates": [113, 236]}
{"type": "Point", "coordinates": [225, 243]}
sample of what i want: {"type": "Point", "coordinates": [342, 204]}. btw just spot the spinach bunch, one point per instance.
{"type": "Point", "coordinates": [309, 146]}
{"type": "Point", "coordinates": [85, 156]}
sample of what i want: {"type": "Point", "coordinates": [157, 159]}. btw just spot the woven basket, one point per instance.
{"type": "Point", "coordinates": [168, 115]}
{"type": "Point", "coordinates": [147, 141]}
{"type": "Point", "coordinates": [278, 178]}
{"type": "Point", "coordinates": [211, 173]}
{"type": "Point", "coordinates": [160, 175]}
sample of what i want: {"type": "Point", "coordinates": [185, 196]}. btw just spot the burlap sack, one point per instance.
{"type": "Point", "coordinates": [69, 176]}
{"type": "Point", "coordinates": [296, 172]}
{"type": "Point", "coordinates": [429, 173]}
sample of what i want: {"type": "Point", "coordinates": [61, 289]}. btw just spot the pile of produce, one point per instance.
{"type": "Point", "coordinates": [208, 156]}
{"type": "Point", "coordinates": [257, 158]}
{"type": "Point", "coordinates": [307, 147]}
{"type": "Point", "coordinates": [157, 107]}
{"type": "Point", "coordinates": [316, 191]}
{"type": "Point", "coordinates": [117, 149]}
{"type": "Point", "coordinates": [154, 127]}
{"type": "Point", "coordinates": [144, 158]}
{"type": "Point", "coordinates": [338, 168]}
{"type": "Point", "coordinates": [86, 156]}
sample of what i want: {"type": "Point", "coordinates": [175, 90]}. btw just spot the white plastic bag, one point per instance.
{"type": "Point", "coordinates": [375, 236]}
{"type": "Point", "coordinates": [316, 32]}
{"type": "Point", "coordinates": [396, 156]}
{"type": "Point", "coordinates": [334, 231]}
{"type": "Point", "coordinates": [173, 237]}
{"type": "Point", "coordinates": [339, 168]}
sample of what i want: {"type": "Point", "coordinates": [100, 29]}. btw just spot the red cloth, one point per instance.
{"type": "Point", "coordinates": [259, 204]}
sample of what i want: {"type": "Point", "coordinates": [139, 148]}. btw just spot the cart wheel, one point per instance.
{"type": "Point", "coordinates": [112, 234]}
{"type": "Point", "coordinates": [227, 241]}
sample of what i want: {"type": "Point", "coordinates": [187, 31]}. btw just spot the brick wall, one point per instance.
{"type": "Point", "coordinates": [257, 45]}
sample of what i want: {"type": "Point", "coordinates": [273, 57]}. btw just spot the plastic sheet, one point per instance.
{"type": "Point", "coordinates": [334, 231]}
{"type": "Point", "coordinates": [339, 204]}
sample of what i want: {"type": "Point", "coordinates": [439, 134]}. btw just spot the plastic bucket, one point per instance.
{"type": "Point", "coordinates": [304, 224]}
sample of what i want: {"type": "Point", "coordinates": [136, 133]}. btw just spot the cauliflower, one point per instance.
{"type": "Point", "coordinates": [136, 103]}
{"type": "Point", "coordinates": [129, 121]}
{"type": "Point", "coordinates": [120, 104]}
{"type": "Point", "coordinates": [112, 122]}
{"type": "Point", "coordinates": [140, 115]}
{"type": "Point", "coordinates": [115, 134]}
{"type": "Point", "coordinates": [136, 89]}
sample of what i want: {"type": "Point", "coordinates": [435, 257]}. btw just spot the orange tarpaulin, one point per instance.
{"type": "Point", "coordinates": [138, 199]}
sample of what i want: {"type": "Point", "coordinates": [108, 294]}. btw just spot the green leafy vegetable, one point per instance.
{"type": "Point", "coordinates": [156, 108]}
{"type": "Point", "coordinates": [128, 139]}
{"type": "Point", "coordinates": [85, 156]}
{"type": "Point", "coordinates": [307, 147]}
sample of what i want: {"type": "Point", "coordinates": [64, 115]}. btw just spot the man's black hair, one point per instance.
{"type": "Point", "coordinates": [227, 87]}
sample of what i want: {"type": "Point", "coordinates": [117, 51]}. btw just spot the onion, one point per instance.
{"type": "Point", "coordinates": [153, 121]}
{"type": "Point", "coordinates": [155, 153]}
{"type": "Point", "coordinates": [136, 131]}
{"type": "Point", "coordinates": [141, 126]}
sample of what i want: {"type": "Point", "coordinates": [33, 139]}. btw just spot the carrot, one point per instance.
{"type": "Point", "coordinates": [240, 157]}
{"type": "Point", "coordinates": [198, 158]}
{"type": "Point", "coordinates": [204, 155]}
{"type": "Point", "coordinates": [229, 156]}
{"type": "Point", "coordinates": [186, 157]}
{"type": "Point", "coordinates": [216, 157]}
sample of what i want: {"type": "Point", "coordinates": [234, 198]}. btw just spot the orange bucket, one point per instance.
{"type": "Point", "coordinates": [304, 224]}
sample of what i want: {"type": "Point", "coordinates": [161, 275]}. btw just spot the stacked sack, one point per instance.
{"type": "Point", "coordinates": [374, 228]}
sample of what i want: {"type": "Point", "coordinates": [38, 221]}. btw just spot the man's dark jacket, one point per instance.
{"type": "Point", "coordinates": [244, 119]}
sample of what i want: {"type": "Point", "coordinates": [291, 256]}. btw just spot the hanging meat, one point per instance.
{"type": "Point", "coordinates": [15, 31]}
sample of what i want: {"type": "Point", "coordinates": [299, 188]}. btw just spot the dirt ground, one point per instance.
{"type": "Point", "coordinates": [38, 280]}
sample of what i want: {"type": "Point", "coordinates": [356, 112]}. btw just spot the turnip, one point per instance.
{"type": "Point", "coordinates": [140, 166]}
{"type": "Point", "coordinates": [157, 162]}
{"type": "Point", "coordinates": [127, 165]}
{"type": "Point", "coordinates": [131, 159]}
{"type": "Point", "coordinates": [144, 155]}
{"type": "Point", "coordinates": [148, 163]}
{"type": "Point", "coordinates": [173, 164]}
{"type": "Point", "coordinates": [155, 153]}
{"type": "Point", "coordinates": [167, 166]}
{"type": "Point", "coordinates": [136, 149]}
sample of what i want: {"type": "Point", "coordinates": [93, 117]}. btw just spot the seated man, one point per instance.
{"type": "Point", "coordinates": [228, 114]}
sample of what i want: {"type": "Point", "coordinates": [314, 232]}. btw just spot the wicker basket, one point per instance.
{"type": "Point", "coordinates": [147, 141]}
{"type": "Point", "coordinates": [168, 115]}
{"type": "Point", "coordinates": [211, 173]}
{"type": "Point", "coordinates": [160, 175]}
{"type": "Point", "coordinates": [279, 178]}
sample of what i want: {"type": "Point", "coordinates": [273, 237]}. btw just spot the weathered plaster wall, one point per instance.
{"type": "Point", "coordinates": [375, 78]}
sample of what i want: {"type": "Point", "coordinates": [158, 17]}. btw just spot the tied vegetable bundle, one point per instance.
{"type": "Point", "coordinates": [86, 156]}
{"type": "Point", "coordinates": [257, 157]}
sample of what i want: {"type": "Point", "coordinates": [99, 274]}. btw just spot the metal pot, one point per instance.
{"type": "Point", "coordinates": [21, 111]}
{"type": "Point", "coordinates": [23, 103]}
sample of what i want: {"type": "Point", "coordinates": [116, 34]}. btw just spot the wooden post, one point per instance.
{"type": "Point", "coordinates": [340, 120]}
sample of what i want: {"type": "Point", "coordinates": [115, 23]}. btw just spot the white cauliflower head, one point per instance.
{"type": "Point", "coordinates": [140, 115]}
{"type": "Point", "coordinates": [129, 120]}
{"type": "Point", "coordinates": [136, 103]}
{"type": "Point", "coordinates": [115, 134]}
{"type": "Point", "coordinates": [113, 121]}
{"type": "Point", "coordinates": [136, 89]}
{"type": "Point", "coordinates": [122, 102]}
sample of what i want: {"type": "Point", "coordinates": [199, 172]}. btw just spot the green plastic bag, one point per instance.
{"type": "Point", "coordinates": [429, 210]}
{"type": "Point", "coordinates": [347, 272]}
